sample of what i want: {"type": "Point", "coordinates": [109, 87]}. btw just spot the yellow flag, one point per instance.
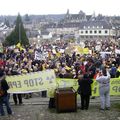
{"type": "Point", "coordinates": [67, 68]}
{"type": "Point", "coordinates": [18, 45]}
{"type": "Point", "coordinates": [85, 50]}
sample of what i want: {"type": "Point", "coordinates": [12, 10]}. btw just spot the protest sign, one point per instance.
{"type": "Point", "coordinates": [31, 82]}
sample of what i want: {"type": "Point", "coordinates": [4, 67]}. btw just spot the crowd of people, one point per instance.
{"type": "Point", "coordinates": [66, 64]}
{"type": "Point", "coordinates": [16, 61]}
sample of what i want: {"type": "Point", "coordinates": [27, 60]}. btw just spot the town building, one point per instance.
{"type": "Point", "coordinates": [96, 30]}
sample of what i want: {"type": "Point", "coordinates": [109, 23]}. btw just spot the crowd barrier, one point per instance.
{"type": "Point", "coordinates": [46, 80]}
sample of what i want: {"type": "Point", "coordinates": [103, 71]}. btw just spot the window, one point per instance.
{"type": "Point", "coordinates": [99, 31]}
{"type": "Point", "coordinates": [95, 31]}
{"type": "Point", "coordinates": [81, 32]}
{"type": "Point", "coordinates": [82, 36]}
{"type": "Point", "coordinates": [95, 36]}
{"type": "Point", "coordinates": [91, 36]}
{"type": "Point", "coordinates": [105, 36]}
{"type": "Point", "coordinates": [90, 31]}
{"type": "Point", "coordinates": [106, 31]}
{"type": "Point", "coordinates": [86, 31]}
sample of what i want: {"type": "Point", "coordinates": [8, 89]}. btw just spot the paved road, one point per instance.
{"type": "Point", "coordinates": [37, 109]}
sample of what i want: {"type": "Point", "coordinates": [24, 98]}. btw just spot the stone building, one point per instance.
{"type": "Point", "coordinates": [96, 30]}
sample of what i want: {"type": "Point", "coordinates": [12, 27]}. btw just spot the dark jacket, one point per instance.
{"type": "Point", "coordinates": [85, 86]}
{"type": "Point", "coordinates": [4, 86]}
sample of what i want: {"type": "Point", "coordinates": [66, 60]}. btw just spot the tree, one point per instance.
{"type": "Point", "coordinates": [18, 35]}
{"type": "Point", "coordinates": [7, 22]}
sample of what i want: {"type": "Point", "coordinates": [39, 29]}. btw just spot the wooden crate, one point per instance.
{"type": "Point", "coordinates": [65, 100]}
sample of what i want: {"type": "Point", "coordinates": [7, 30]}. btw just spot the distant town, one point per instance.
{"type": "Point", "coordinates": [79, 26]}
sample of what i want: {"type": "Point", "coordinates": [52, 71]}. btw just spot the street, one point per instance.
{"type": "Point", "coordinates": [36, 108]}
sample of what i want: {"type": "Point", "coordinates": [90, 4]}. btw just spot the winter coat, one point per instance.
{"type": "Point", "coordinates": [4, 85]}
{"type": "Point", "coordinates": [85, 86]}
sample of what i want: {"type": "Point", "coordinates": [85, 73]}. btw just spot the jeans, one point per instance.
{"type": "Point", "coordinates": [5, 100]}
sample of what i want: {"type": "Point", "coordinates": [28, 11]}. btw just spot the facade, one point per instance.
{"type": "Point", "coordinates": [72, 18]}
{"type": "Point", "coordinates": [45, 35]}
{"type": "Point", "coordinates": [96, 30]}
{"type": "Point", "coordinates": [115, 20]}
{"type": "Point", "coordinates": [84, 27]}
{"type": "Point", "coordinates": [68, 25]}
{"type": "Point", "coordinates": [66, 28]}
{"type": "Point", "coordinates": [71, 23]}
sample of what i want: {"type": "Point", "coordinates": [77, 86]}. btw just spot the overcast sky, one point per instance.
{"type": "Point", "coordinates": [105, 7]}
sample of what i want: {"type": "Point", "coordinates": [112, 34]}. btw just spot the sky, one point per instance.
{"type": "Point", "coordinates": [40, 7]}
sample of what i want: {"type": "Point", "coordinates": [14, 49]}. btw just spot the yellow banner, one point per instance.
{"type": "Point", "coordinates": [114, 85]}
{"type": "Point", "coordinates": [32, 82]}
{"type": "Point", "coordinates": [46, 80]}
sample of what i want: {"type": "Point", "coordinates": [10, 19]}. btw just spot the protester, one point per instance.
{"type": "Point", "coordinates": [113, 71]}
{"type": "Point", "coordinates": [84, 90]}
{"type": "Point", "coordinates": [103, 78]}
{"type": "Point", "coordinates": [4, 95]}
{"type": "Point", "coordinates": [16, 97]}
